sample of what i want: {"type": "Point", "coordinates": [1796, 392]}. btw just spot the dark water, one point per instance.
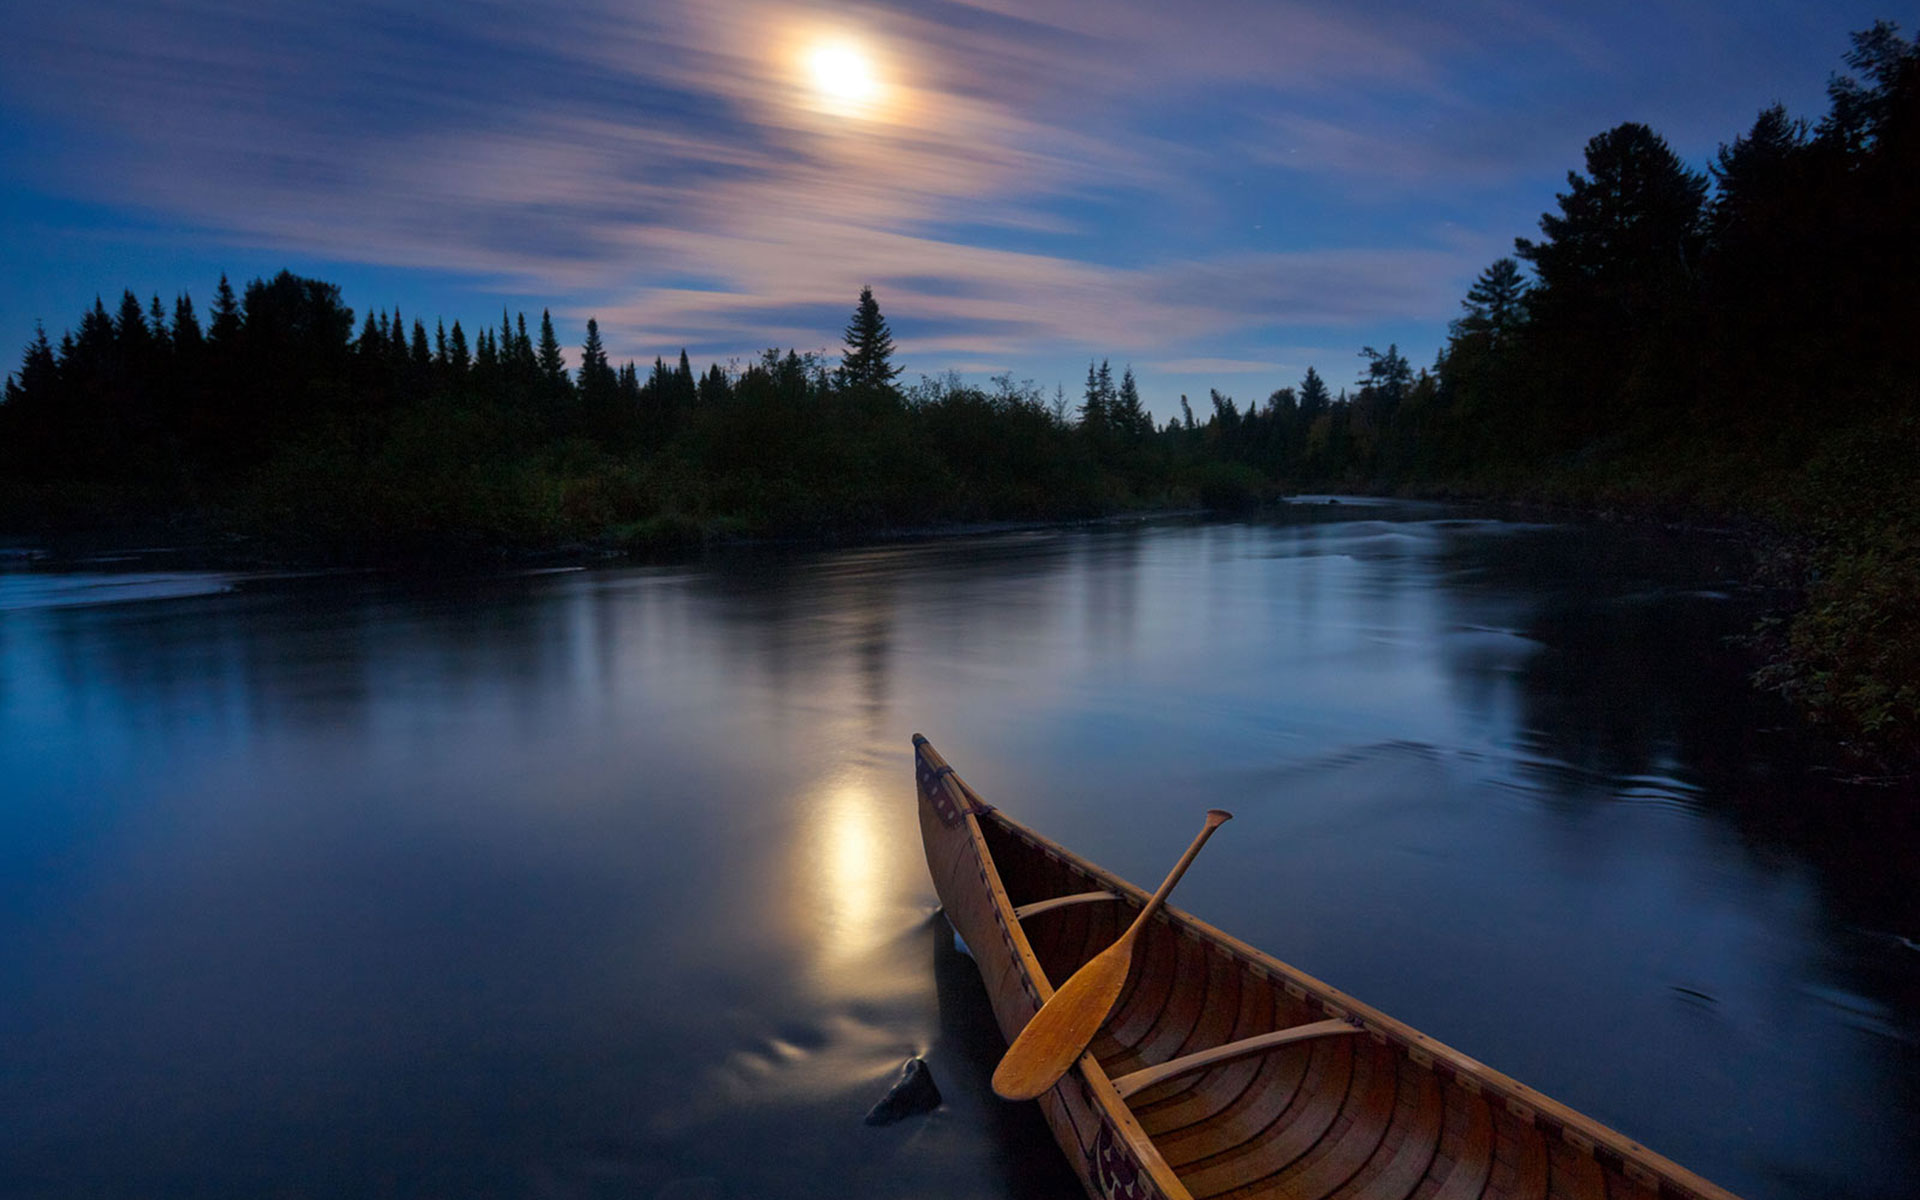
{"type": "Point", "coordinates": [608, 883]}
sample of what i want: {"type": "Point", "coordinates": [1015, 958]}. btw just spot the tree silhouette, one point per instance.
{"type": "Point", "coordinates": [1495, 304]}
{"type": "Point", "coordinates": [867, 360]}
{"type": "Point", "coordinates": [1128, 415]}
{"type": "Point", "coordinates": [225, 326]}
{"type": "Point", "coordinates": [599, 385]}
{"type": "Point", "coordinates": [1628, 232]}
{"type": "Point", "coordinates": [552, 364]}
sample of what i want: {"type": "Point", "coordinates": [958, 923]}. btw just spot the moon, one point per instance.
{"type": "Point", "coordinates": [843, 77]}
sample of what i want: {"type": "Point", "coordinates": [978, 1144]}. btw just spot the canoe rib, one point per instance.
{"type": "Point", "coordinates": [1040, 906]}
{"type": "Point", "coordinates": [1224, 1072]}
{"type": "Point", "coordinates": [1138, 1080]}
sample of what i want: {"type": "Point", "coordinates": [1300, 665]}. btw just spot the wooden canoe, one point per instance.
{"type": "Point", "coordinates": [1225, 1072]}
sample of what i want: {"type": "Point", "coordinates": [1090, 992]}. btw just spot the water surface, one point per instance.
{"type": "Point", "coordinates": [608, 883]}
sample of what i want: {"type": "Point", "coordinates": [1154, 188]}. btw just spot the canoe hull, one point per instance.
{"type": "Point", "coordinates": [1094, 1142]}
{"type": "Point", "coordinates": [1240, 1076]}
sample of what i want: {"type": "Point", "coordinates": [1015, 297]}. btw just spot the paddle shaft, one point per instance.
{"type": "Point", "coordinates": [1058, 1034]}
{"type": "Point", "coordinates": [1216, 817]}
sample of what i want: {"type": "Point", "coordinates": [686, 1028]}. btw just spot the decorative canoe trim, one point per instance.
{"type": "Point", "coordinates": [1040, 906]}
{"type": "Point", "coordinates": [1118, 1176]}
{"type": "Point", "coordinates": [946, 793]}
{"type": "Point", "coordinates": [1146, 1077]}
{"type": "Point", "coordinates": [935, 790]}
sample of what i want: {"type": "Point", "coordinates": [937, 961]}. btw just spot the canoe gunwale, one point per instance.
{"type": "Point", "coordinates": [1096, 1088]}
{"type": "Point", "coordinates": [1553, 1119]}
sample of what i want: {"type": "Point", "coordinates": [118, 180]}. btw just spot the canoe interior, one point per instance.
{"type": "Point", "coordinates": [1372, 1114]}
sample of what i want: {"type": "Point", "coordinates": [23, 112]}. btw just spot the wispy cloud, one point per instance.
{"type": "Point", "coordinates": [1038, 177]}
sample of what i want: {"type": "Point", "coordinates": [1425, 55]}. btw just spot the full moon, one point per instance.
{"type": "Point", "coordinates": [842, 76]}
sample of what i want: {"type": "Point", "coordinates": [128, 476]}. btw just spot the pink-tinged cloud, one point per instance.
{"type": "Point", "coordinates": [1039, 180]}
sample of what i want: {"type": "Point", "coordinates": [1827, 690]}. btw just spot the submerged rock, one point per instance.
{"type": "Point", "coordinates": [914, 1093]}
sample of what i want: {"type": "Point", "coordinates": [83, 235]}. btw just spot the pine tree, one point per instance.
{"type": "Point", "coordinates": [422, 352]}
{"type": "Point", "coordinates": [157, 322]}
{"type": "Point", "coordinates": [397, 340]}
{"type": "Point", "coordinates": [599, 385]}
{"type": "Point", "coordinates": [1495, 304]}
{"type": "Point", "coordinates": [186, 326]}
{"type": "Point", "coordinates": [1093, 409]}
{"type": "Point", "coordinates": [130, 328]}
{"type": "Point", "coordinates": [38, 371]}
{"type": "Point", "coordinates": [526, 368]}
{"type": "Point", "coordinates": [225, 327]}
{"type": "Point", "coordinates": [1129, 417]}
{"type": "Point", "coordinates": [867, 360]}
{"type": "Point", "coordinates": [1314, 396]}
{"type": "Point", "coordinates": [1628, 234]}
{"type": "Point", "coordinates": [457, 357]}
{"type": "Point", "coordinates": [553, 365]}
{"type": "Point", "coordinates": [714, 387]}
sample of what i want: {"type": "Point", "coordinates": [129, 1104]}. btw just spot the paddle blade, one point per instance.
{"type": "Point", "coordinates": [1058, 1034]}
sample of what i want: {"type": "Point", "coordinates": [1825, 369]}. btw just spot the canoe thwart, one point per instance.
{"type": "Point", "coordinates": [1146, 1077]}
{"type": "Point", "coordinates": [1040, 906]}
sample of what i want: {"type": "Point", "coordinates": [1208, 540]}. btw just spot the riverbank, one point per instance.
{"type": "Point", "coordinates": [1834, 535]}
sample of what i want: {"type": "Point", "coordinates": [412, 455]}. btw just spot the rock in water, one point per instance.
{"type": "Point", "coordinates": [915, 1093]}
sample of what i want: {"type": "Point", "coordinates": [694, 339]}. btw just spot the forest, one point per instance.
{"type": "Point", "coordinates": [1733, 343]}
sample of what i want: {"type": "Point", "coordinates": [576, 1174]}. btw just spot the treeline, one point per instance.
{"type": "Point", "coordinates": [1744, 341]}
{"type": "Point", "coordinates": [281, 417]}
{"type": "Point", "coordinates": [1739, 341]}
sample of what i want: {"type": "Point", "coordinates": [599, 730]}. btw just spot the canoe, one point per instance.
{"type": "Point", "coordinates": [1222, 1071]}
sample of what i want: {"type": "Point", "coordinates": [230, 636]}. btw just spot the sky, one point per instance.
{"type": "Point", "coordinates": [1217, 192]}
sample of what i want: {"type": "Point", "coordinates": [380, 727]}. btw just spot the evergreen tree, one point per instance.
{"type": "Point", "coordinates": [157, 323]}
{"type": "Point", "coordinates": [1129, 417]}
{"type": "Point", "coordinates": [39, 374]}
{"type": "Point", "coordinates": [1389, 374]}
{"type": "Point", "coordinates": [186, 326]}
{"type": "Point", "coordinates": [526, 368]}
{"type": "Point", "coordinates": [599, 385]}
{"type": "Point", "coordinates": [397, 352]}
{"type": "Point", "coordinates": [1628, 234]}
{"type": "Point", "coordinates": [1861, 113]}
{"type": "Point", "coordinates": [131, 331]}
{"type": "Point", "coordinates": [224, 329]}
{"type": "Point", "coordinates": [422, 352]}
{"type": "Point", "coordinates": [553, 365]}
{"type": "Point", "coordinates": [1093, 407]}
{"type": "Point", "coordinates": [867, 360]}
{"type": "Point", "coordinates": [1495, 304]}
{"type": "Point", "coordinates": [458, 357]}
{"type": "Point", "coordinates": [714, 389]}
{"type": "Point", "coordinates": [1315, 399]}
{"type": "Point", "coordinates": [1756, 176]}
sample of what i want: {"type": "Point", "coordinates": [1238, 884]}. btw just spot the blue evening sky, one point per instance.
{"type": "Point", "coordinates": [1219, 192]}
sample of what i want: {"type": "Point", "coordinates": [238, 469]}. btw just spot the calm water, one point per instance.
{"type": "Point", "coordinates": [608, 883]}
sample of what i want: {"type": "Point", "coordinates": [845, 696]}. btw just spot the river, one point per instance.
{"type": "Point", "coordinates": [607, 882]}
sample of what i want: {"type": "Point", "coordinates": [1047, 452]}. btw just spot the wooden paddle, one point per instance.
{"type": "Point", "coordinates": [1057, 1035]}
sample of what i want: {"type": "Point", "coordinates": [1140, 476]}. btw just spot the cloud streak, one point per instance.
{"type": "Point", "coordinates": [1188, 184]}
